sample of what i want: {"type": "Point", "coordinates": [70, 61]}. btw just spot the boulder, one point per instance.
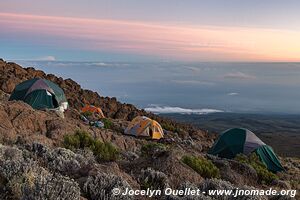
{"type": "Point", "coordinates": [9, 85]}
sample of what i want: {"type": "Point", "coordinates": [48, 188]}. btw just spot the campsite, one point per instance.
{"type": "Point", "coordinates": [97, 141]}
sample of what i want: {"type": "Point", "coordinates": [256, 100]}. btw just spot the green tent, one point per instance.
{"type": "Point", "coordinates": [39, 93]}
{"type": "Point", "coordinates": [238, 140]}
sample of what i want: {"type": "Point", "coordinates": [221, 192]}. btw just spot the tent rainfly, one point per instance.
{"type": "Point", "coordinates": [239, 140]}
{"type": "Point", "coordinates": [144, 126]}
{"type": "Point", "coordinates": [40, 94]}
{"type": "Point", "coordinates": [92, 109]}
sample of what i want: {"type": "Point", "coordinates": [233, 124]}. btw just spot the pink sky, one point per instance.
{"type": "Point", "coordinates": [166, 40]}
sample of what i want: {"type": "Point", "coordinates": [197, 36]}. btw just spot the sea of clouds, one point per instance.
{"type": "Point", "coordinates": [170, 110]}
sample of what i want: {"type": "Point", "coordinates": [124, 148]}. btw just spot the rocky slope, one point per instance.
{"type": "Point", "coordinates": [35, 165]}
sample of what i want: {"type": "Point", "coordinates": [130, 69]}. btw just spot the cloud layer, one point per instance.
{"type": "Point", "coordinates": [46, 58]}
{"type": "Point", "coordinates": [239, 75]}
{"type": "Point", "coordinates": [232, 94]}
{"type": "Point", "coordinates": [168, 109]}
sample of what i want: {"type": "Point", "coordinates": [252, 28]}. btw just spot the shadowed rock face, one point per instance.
{"type": "Point", "coordinates": [31, 147]}
{"type": "Point", "coordinates": [24, 124]}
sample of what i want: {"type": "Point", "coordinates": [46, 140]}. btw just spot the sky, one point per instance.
{"type": "Point", "coordinates": [143, 31]}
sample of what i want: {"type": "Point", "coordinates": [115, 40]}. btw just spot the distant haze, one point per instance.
{"type": "Point", "coordinates": [185, 87]}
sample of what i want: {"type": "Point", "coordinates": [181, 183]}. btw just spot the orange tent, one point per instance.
{"type": "Point", "coordinates": [144, 126]}
{"type": "Point", "coordinates": [92, 109]}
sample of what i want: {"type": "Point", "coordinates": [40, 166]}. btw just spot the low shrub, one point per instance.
{"type": "Point", "coordinates": [108, 124]}
{"type": "Point", "coordinates": [105, 151]}
{"type": "Point", "coordinates": [101, 186]}
{"type": "Point", "coordinates": [265, 176]}
{"type": "Point", "coordinates": [170, 127]}
{"type": "Point", "coordinates": [87, 113]}
{"type": "Point", "coordinates": [81, 140]}
{"type": "Point", "coordinates": [202, 166]}
{"type": "Point", "coordinates": [153, 149]}
{"type": "Point", "coordinates": [153, 179]}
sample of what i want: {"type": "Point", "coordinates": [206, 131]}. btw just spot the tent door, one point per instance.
{"type": "Point", "coordinates": [54, 101]}
{"type": "Point", "coordinates": [150, 132]}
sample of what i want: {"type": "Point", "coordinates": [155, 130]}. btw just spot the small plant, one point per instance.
{"type": "Point", "coordinates": [264, 175]}
{"type": "Point", "coordinates": [108, 124]}
{"type": "Point", "coordinates": [105, 151]}
{"type": "Point", "coordinates": [153, 149]}
{"type": "Point", "coordinates": [170, 127]}
{"type": "Point", "coordinates": [81, 140]}
{"type": "Point", "coordinates": [202, 166]}
{"type": "Point", "coordinates": [87, 113]}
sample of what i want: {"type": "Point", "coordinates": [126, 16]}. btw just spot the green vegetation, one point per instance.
{"type": "Point", "coordinates": [202, 166]}
{"type": "Point", "coordinates": [87, 113]}
{"type": "Point", "coordinates": [105, 151]}
{"type": "Point", "coordinates": [108, 124]}
{"type": "Point", "coordinates": [153, 148]}
{"type": "Point", "coordinates": [264, 175]}
{"type": "Point", "coordinates": [81, 140]}
{"type": "Point", "coordinates": [170, 127]}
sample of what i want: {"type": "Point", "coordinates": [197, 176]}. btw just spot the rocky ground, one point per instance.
{"type": "Point", "coordinates": [34, 163]}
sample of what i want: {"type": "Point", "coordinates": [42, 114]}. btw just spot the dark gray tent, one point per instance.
{"type": "Point", "coordinates": [240, 140]}
{"type": "Point", "coordinates": [39, 93]}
